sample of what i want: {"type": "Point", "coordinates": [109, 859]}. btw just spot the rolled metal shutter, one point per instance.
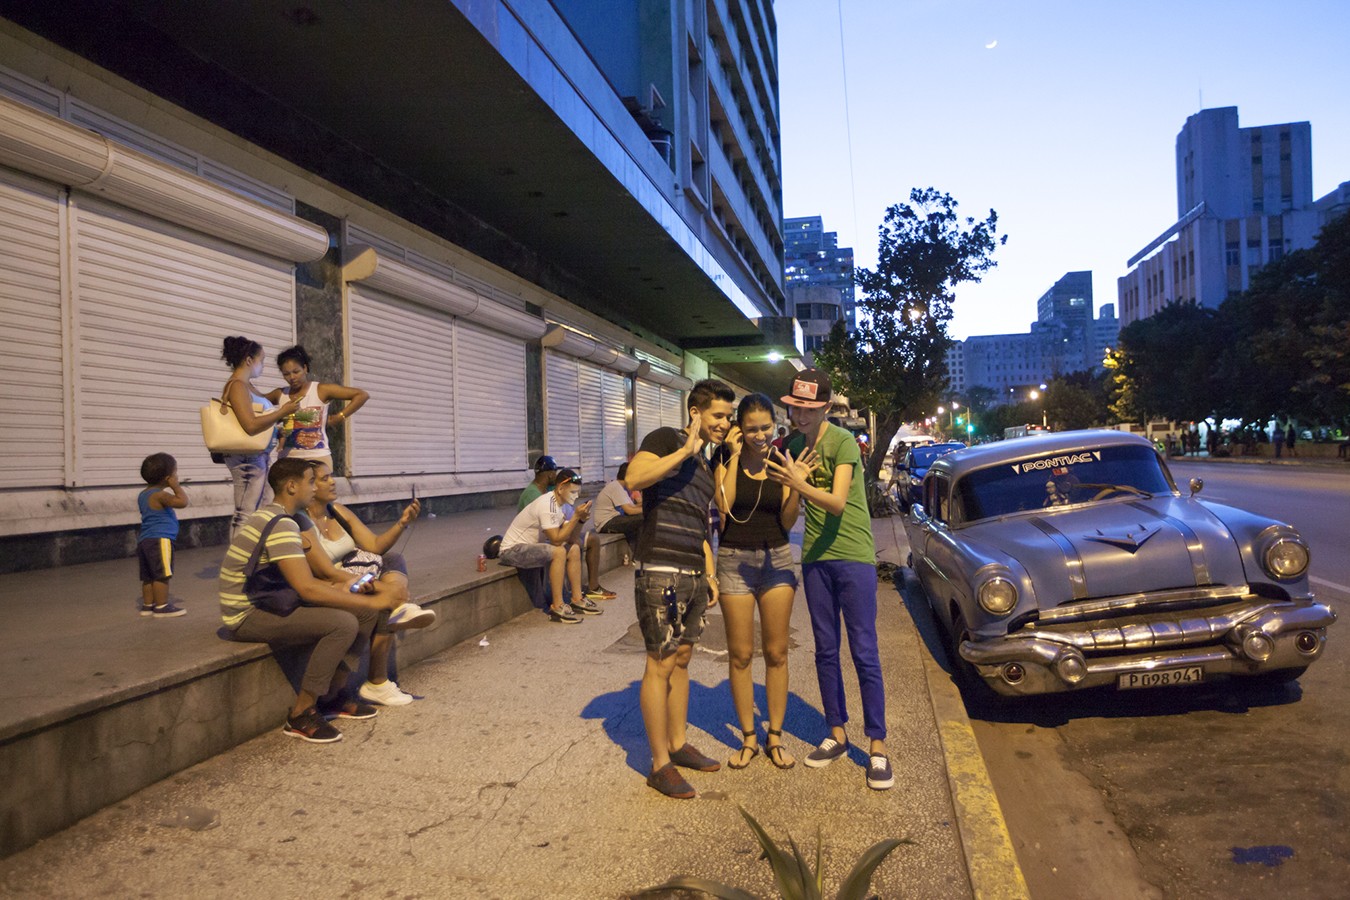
{"type": "Point", "coordinates": [647, 414]}
{"type": "Point", "coordinates": [591, 406]}
{"type": "Point", "coordinates": [33, 431]}
{"type": "Point", "coordinates": [402, 353]}
{"type": "Point", "coordinates": [673, 413]}
{"type": "Point", "coordinates": [489, 391]}
{"type": "Point", "coordinates": [563, 428]}
{"type": "Point", "coordinates": [616, 422]}
{"type": "Point", "coordinates": [152, 303]}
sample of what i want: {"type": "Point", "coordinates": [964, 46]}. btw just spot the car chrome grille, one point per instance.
{"type": "Point", "coordinates": [1149, 626]}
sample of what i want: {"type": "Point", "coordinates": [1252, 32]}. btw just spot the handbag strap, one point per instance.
{"type": "Point", "coordinates": [251, 567]}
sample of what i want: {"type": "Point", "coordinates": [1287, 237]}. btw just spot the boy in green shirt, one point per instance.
{"type": "Point", "coordinates": [839, 570]}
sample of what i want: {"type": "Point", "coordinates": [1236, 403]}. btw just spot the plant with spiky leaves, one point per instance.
{"type": "Point", "coordinates": [796, 878]}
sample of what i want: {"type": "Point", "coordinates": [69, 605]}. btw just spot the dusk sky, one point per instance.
{"type": "Point", "coordinates": [1066, 126]}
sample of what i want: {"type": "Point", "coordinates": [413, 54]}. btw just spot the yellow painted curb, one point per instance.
{"type": "Point", "coordinates": [990, 858]}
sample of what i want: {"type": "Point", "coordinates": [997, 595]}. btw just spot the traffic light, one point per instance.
{"type": "Point", "coordinates": [960, 420]}
{"type": "Point", "coordinates": [970, 429]}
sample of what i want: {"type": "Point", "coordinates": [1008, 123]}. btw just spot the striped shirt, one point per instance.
{"type": "Point", "coordinates": [675, 509]}
{"type": "Point", "coordinates": [282, 543]}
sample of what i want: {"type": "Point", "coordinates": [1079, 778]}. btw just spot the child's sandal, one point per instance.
{"type": "Point", "coordinates": [777, 757]}
{"type": "Point", "coordinates": [754, 751]}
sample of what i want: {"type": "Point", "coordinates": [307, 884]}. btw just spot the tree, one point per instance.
{"type": "Point", "coordinates": [1166, 365]}
{"type": "Point", "coordinates": [894, 364]}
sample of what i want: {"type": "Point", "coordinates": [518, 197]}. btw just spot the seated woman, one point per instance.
{"type": "Point", "coordinates": [341, 540]}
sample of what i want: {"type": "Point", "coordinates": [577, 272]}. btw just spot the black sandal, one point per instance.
{"type": "Point", "coordinates": [777, 759]}
{"type": "Point", "coordinates": [754, 751]}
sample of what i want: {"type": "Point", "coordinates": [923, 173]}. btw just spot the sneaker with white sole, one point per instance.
{"type": "Point", "coordinates": [167, 611]}
{"type": "Point", "coordinates": [386, 693]}
{"type": "Point", "coordinates": [584, 607]}
{"type": "Point", "coordinates": [879, 774]}
{"type": "Point", "coordinates": [410, 615]}
{"type": "Point", "coordinates": [828, 751]}
{"type": "Point", "coordinates": [563, 616]}
{"type": "Point", "coordinates": [599, 594]}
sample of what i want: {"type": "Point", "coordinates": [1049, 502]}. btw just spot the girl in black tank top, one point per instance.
{"type": "Point", "coordinates": [755, 568]}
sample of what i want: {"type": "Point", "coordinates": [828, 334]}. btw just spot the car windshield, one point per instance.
{"type": "Point", "coordinates": [1061, 479]}
{"type": "Point", "coordinates": [922, 457]}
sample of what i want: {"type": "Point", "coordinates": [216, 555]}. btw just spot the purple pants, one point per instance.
{"type": "Point", "coordinates": [836, 588]}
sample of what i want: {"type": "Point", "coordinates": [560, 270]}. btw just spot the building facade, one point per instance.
{"type": "Point", "coordinates": [1244, 199]}
{"type": "Point", "coordinates": [523, 226]}
{"type": "Point", "coordinates": [1064, 338]}
{"type": "Point", "coordinates": [813, 257]}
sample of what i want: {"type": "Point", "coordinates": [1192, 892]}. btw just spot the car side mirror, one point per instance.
{"type": "Point", "coordinates": [1197, 485]}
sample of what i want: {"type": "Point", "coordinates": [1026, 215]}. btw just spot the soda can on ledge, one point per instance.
{"type": "Point", "coordinates": [482, 563]}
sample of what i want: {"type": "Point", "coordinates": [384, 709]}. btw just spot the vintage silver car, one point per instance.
{"type": "Point", "coordinates": [1071, 560]}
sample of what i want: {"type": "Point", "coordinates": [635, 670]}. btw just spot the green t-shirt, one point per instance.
{"type": "Point", "coordinates": [528, 496]}
{"type": "Point", "coordinates": [847, 536]}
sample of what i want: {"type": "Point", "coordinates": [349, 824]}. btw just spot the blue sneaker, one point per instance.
{"type": "Point", "coordinates": [167, 611]}
{"type": "Point", "coordinates": [828, 751]}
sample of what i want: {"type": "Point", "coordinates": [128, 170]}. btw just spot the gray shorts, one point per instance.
{"type": "Point", "coordinates": [755, 571]}
{"type": "Point", "coordinates": [528, 556]}
{"type": "Point", "coordinates": [670, 609]}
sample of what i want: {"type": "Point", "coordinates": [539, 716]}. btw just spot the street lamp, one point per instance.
{"type": "Point", "coordinates": [1036, 395]}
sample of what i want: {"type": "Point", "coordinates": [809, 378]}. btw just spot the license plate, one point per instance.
{"type": "Point", "coordinates": [1161, 678]}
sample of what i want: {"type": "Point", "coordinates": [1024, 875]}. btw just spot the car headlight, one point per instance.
{"type": "Point", "coordinates": [998, 596]}
{"type": "Point", "coordinates": [915, 482]}
{"type": "Point", "coordinates": [1285, 558]}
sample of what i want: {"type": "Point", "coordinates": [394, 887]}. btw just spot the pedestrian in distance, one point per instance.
{"type": "Point", "coordinates": [675, 580]}
{"type": "Point", "coordinates": [755, 569]}
{"type": "Point", "coordinates": [256, 414]}
{"type": "Point", "coordinates": [158, 504]}
{"type": "Point", "coordinates": [545, 474]}
{"type": "Point", "coordinates": [1290, 436]}
{"type": "Point", "coordinates": [304, 434]}
{"type": "Point", "coordinates": [615, 511]}
{"type": "Point", "coordinates": [334, 619]}
{"type": "Point", "coordinates": [543, 536]}
{"type": "Point", "coordinates": [839, 570]}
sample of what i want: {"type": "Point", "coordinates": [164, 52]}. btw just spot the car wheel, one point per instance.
{"type": "Point", "coordinates": [963, 673]}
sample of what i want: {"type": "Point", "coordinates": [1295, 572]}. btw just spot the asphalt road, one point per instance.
{"type": "Point", "coordinates": [1207, 791]}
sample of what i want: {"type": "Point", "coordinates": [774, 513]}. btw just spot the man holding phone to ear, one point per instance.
{"type": "Point", "coordinates": [675, 582]}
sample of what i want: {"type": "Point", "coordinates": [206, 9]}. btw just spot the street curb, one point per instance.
{"type": "Point", "coordinates": [991, 861]}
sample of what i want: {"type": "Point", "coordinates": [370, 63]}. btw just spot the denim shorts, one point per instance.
{"type": "Point", "coordinates": [670, 609]}
{"type": "Point", "coordinates": [754, 571]}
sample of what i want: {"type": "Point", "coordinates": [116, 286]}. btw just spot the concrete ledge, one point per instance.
{"type": "Point", "coordinates": [72, 758]}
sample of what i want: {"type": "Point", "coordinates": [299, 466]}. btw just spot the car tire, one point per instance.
{"type": "Point", "coordinates": [966, 676]}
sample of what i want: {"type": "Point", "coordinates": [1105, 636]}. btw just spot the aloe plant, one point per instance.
{"type": "Point", "coordinates": [796, 878]}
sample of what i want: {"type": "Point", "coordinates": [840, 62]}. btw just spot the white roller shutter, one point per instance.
{"type": "Point", "coordinates": [673, 412]}
{"type": "Point", "coordinates": [152, 303]}
{"type": "Point", "coordinates": [563, 429]}
{"type": "Point", "coordinates": [647, 414]}
{"type": "Point", "coordinates": [616, 422]}
{"type": "Point", "coordinates": [32, 404]}
{"type": "Point", "coordinates": [489, 400]}
{"type": "Point", "coordinates": [592, 417]}
{"type": "Point", "coordinates": [401, 353]}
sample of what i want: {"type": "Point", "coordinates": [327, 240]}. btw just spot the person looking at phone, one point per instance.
{"type": "Point", "coordinates": [675, 581]}
{"type": "Point", "coordinates": [304, 433]}
{"type": "Point", "coordinates": [838, 568]}
{"type": "Point", "coordinates": [545, 475]}
{"type": "Point", "coordinates": [332, 622]}
{"type": "Point", "coordinates": [340, 545]}
{"type": "Point", "coordinates": [543, 535]}
{"type": "Point", "coordinates": [755, 568]}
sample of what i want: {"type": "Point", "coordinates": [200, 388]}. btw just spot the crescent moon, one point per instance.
{"type": "Point", "coordinates": [991, 45]}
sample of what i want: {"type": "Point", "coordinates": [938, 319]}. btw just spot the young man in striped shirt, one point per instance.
{"type": "Point", "coordinates": [675, 583]}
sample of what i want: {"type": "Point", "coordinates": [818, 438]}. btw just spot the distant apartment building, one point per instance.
{"type": "Point", "coordinates": [1244, 199]}
{"type": "Point", "coordinates": [1064, 338]}
{"type": "Point", "coordinates": [818, 307]}
{"type": "Point", "coordinates": [813, 257]}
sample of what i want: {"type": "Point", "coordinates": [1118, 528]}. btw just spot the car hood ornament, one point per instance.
{"type": "Point", "coordinates": [1130, 538]}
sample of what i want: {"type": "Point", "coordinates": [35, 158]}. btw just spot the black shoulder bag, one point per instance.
{"type": "Point", "coordinates": [266, 588]}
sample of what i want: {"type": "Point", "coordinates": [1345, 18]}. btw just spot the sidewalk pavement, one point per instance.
{"type": "Point", "coordinates": [520, 771]}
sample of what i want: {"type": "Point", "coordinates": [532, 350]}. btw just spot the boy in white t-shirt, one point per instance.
{"type": "Point", "coordinates": [541, 535]}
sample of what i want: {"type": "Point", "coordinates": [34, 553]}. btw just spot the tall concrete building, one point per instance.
{"type": "Point", "coordinates": [523, 226]}
{"type": "Point", "coordinates": [814, 258]}
{"type": "Point", "coordinates": [1064, 338]}
{"type": "Point", "coordinates": [1244, 199]}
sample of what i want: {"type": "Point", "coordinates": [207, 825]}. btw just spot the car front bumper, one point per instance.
{"type": "Point", "coordinates": [1251, 638]}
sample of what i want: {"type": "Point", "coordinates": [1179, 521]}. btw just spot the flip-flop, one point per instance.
{"type": "Point", "coordinates": [754, 751]}
{"type": "Point", "coordinates": [777, 759]}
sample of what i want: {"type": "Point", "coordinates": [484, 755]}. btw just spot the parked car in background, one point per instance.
{"type": "Point", "coordinates": [1071, 560]}
{"type": "Point", "coordinates": [915, 467]}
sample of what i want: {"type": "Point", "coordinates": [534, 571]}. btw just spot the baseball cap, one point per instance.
{"type": "Point", "coordinates": [545, 464]}
{"type": "Point", "coordinates": [810, 389]}
{"type": "Point", "coordinates": [567, 476]}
